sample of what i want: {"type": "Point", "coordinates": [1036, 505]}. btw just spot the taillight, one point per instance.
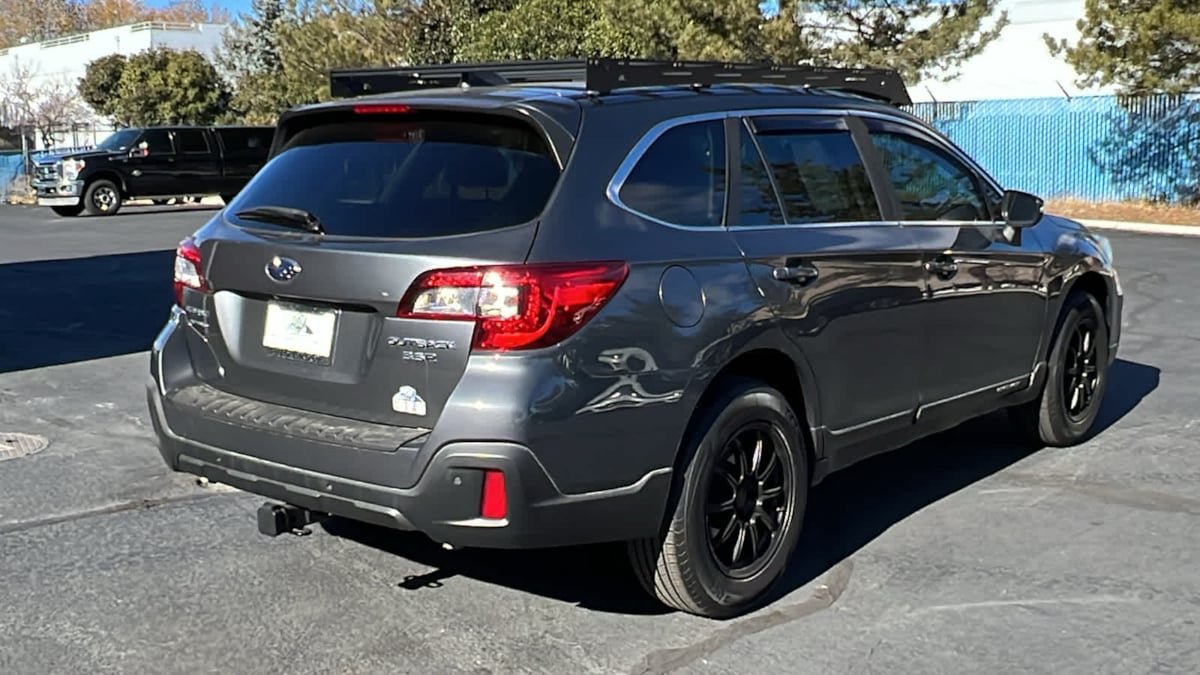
{"type": "Point", "coordinates": [493, 504]}
{"type": "Point", "coordinates": [187, 269]}
{"type": "Point", "coordinates": [516, 306]}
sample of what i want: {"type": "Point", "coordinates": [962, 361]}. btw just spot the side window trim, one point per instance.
{"type": "Point", "coordinates": [746, 130]}
{"type": "Point", "coordinates": [733, 171]}
{"type": "Point", "coordinates": [877, 174]}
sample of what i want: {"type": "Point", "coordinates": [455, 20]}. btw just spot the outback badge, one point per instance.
{"type": "Point", "coordinates": [407, 401]}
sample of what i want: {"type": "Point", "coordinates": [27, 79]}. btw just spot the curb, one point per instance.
{"type": "Point", "coordinates": [1142, 228]}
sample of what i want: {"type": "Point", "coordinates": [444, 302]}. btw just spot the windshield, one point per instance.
{"type": "Point", "coordinates": [121, 140]}
{"type": "Point", "coordinates": [407, 176]}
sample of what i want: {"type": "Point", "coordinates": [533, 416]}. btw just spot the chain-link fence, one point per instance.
{"type": "Point", "coordinates": [1099, 148]}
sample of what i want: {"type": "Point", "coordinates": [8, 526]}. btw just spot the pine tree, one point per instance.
{"type": "Point", "coordinates": [1140, 46]}
{"type": "Point", "coordinates": [249, 59]}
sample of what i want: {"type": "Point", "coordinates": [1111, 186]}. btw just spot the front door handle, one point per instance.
{"type": "Point", "coordinates": [942, 267]}
{"type": "Point", "coordinates": [796, 273]}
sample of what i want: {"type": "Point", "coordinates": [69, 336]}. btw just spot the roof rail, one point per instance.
{"type": "Point", "coordinates": [605, 75]}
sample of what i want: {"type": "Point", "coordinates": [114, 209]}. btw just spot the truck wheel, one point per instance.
{"type": "Point", "coordinates": [102, 198]}
{"type": "Point", "coordinates": [738, 508]}
{"type": "Point", "coordinates": [68, 211]}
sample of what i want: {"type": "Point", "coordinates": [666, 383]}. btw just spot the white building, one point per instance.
{"type": "Point", "coordinates": [64, 60]}
{"type": "Point", "coordinates": [1018, 64]}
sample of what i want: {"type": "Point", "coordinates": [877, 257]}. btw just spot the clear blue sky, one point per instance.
{"type": "Point", "coordinates": [234, 7]}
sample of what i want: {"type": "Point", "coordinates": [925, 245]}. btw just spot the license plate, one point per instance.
{"type": "Point", "coordinates": [299, 330]}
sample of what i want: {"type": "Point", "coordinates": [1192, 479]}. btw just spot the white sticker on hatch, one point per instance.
{"type": "Point", "coordinates": [407, 401]}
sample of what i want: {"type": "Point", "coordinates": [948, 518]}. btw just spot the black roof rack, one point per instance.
{"type": "Point", "coordinates": [605, 75]}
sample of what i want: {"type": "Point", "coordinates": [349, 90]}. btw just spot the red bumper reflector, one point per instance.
{"type": "Point", "coordinates": [494, 504]}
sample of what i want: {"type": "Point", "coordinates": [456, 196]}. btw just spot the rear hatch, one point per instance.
{"type": "Point", "coordinates": [372, 320]}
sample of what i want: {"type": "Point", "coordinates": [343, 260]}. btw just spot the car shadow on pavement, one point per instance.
{"type": "Point", "coordinates": [845, 513]}
{"type": "Point", "coordinates": [62, 311]}
{"type": "Point", "coordinates": [160, 209]}
{"type": "Point", "coordinates": [853, 507]}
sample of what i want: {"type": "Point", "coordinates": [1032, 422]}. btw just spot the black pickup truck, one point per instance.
{"type": "Point", "coordinates": [154, 163]}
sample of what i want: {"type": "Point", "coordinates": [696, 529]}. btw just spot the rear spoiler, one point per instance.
{"type": "Point", "coordinates": [602, 76]}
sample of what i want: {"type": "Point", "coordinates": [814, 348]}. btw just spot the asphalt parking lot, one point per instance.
{"type": "Point", "coordinates": [963, 553]}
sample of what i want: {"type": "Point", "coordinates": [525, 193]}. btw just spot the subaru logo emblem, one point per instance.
{"type": "Point", "coordinates": [283, 269]}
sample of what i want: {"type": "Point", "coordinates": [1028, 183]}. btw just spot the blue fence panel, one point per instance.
{"type": "Point", "coordinates": [1093, 148]}
{"type": "Point", "coordinates": [11, 167]}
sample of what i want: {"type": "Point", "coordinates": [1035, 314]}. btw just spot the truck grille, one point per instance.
{"type": "Point", "coordinates": [46, 171]}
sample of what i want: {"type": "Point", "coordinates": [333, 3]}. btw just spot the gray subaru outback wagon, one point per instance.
{"type": "Point", "coordinates": [548, 303]}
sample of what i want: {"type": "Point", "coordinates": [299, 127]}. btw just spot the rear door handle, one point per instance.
{"type": "Point", "coordinates": [796, 273]}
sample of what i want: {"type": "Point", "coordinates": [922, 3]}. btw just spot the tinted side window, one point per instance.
{"type": "Point", "coordinates": [680, 179]}
{"type": "Point", "coordinates": [158, 142]}
{"type": "Point", "coordinates": [191, 141]}
{"type": "Point", "coordinates": [818, 170]}
{"type": "Point", "coordinates": [246, 141]}
{"type": "Point", "coordinates": [930, 184]}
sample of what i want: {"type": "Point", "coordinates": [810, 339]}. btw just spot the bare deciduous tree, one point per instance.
{"type": "Point", "coordinates": [44, 105]}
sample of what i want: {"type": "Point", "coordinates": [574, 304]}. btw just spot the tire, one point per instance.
{"type": "Point", "coordinates": [160, 202]}
{"type": "Point", "coordinates": [1056, 418]}
{"type": "Point", "coordinates": [102, 198]}
{"type": "Point", "coordinates": [228, 198]}
{"type": "Point", "coordinates": [682, 567]}
{"type": "Point", "coordinates": [68, 211]}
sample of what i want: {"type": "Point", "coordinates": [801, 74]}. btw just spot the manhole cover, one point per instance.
{"type": "Point", "coordinates": [14, 445]}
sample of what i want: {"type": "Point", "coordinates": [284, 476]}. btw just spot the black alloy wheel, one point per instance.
{"type": "Point", "coordinates": [747, 504]}
{"type": "Point", "coordinates": [735, 513]}
{"type": "Point", "coordinates": [1082, 372]}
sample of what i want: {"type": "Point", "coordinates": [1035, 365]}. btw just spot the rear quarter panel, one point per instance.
{"type": "Point", "coordinates": [624, 389]}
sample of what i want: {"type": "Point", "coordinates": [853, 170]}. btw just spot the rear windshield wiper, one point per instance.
{"type": "Point", "coordinates": [284, 215]}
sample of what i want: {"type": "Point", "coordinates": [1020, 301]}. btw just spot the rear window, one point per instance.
{"type": "Point", "coordinates": [408, 176]}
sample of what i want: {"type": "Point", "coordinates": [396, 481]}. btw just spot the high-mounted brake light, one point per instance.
{"type": "Point", "coordinates": [381, 109]}
{"type": "Point", "coordinates": [187, 269]}
{"type": "Point", "coordinates": [516, 306]}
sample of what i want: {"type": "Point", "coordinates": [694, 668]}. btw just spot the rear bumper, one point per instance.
{"type": "Point", "coordinates": [294, 456]}
{"type": "Point", "coordinates": [445, 502]}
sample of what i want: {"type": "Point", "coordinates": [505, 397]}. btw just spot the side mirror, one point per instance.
{"type": "Point", "coordinates": [1021, 209]}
